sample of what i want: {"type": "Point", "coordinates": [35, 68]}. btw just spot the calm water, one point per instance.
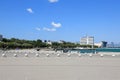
{"type": "Point", "coordinates": [108, 50]}
{"type": "Point", "coordinates": [98, 50]}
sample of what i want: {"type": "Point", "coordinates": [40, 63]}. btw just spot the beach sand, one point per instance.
{"type": "Point", "coordinates": [59, 68]}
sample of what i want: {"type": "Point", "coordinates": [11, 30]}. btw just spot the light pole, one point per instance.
{"type": "Point", "coordinates": [93, 43]}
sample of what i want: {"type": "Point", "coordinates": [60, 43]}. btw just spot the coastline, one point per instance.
{"type": "Point", "coordinates": [51, 52]}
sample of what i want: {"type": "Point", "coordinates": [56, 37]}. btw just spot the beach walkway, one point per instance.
{"type": "Point", "coordinates": [64, 67]}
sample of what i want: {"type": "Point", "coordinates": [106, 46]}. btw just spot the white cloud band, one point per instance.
{"type": "Point", "coordinates": [30, 10]}
{"type": "Point", "coordinates": [49, 29]}
{"type": "Point", "coordinates": [56, 25]}
{"type": "Point", "coordinates": [37, 28]}
{"type": "Point", "coordinates": [53, 1]}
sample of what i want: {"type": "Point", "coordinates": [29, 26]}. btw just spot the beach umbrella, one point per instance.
{"type": "Point", "coordinates": [47, 55]}
{"type": "Point", "coordinates": [4, 55]}
{"type": "Point", "coordinates": [101, 55]}
{"type": "Point", "coordinates": [37, 55]}
{"type": "Point", "coordinates": [15, 55]}
{"type": "Point", "coordinates": [79, 55]}
{"type": "Point", "coordinates": [58, 55]}
{"type": "Point", "coordinates": [113, 55]}
{"type": "Point", "coordinates": [90, 55]}
{"type": "Point", "coordinates": [69, 55]}
{"type": "Point", "coordinates": [26, 55]}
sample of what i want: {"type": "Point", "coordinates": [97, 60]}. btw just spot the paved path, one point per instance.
{"type": "Point", "coordinates": [60, 68]}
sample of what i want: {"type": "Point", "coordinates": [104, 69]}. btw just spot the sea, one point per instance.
{"type": "Point", "coordinates": [108, 49]}
{"type": "Point", "coordinates": [96, 50]}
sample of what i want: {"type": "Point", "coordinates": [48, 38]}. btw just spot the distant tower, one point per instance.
{"type": "Point", "coordinates": [112, 44]}
{"type": "Point", "coordinates": [104, 44]}
{"type": "Point", "coordinates": [1, 37]}
{"type": "Point", "coordinates": [119, 44]}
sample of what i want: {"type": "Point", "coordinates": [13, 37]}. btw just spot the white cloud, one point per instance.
{"type": "Point", "coordinates": [30, 10]}
{"type": "Point", "coordinates": [37, 28]}
{"type": "Point", "coordinates": [49, 29]}
{"type": "Point", "coordinates": [53, 1]}
{"type": "Point", "coordinates": [57, 25]}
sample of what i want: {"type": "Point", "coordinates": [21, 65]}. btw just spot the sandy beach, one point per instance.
{"type": "Point", "coordinates": [64, 66]}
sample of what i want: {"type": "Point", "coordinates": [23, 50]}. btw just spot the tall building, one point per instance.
{"type": "Point", "coordinates": [103, 44]}
{"type": "Point", "coordinates": [87, 40]}
{"type": "Point", "coordinates": [1, 37]}
{"type": "Point", "coordinates": [112, 44]}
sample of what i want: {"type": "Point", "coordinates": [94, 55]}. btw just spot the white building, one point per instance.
{"type": "Point", "coordinates": [98, 44]}
{"type": "Point", "coordinates": [87, 40]}
{"type": "Point", "coordinates": [49, 42]}
{"type": "Point", "coordinates": [61, 41]}
{"type": "Point", "coordinates": [101, 44]}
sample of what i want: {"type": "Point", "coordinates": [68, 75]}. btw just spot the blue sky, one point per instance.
{"type": "Point", "coordinates": [60, 19]}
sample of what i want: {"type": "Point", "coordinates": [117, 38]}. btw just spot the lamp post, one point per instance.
{"type": "Point", "coordinates": [93, 43]}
